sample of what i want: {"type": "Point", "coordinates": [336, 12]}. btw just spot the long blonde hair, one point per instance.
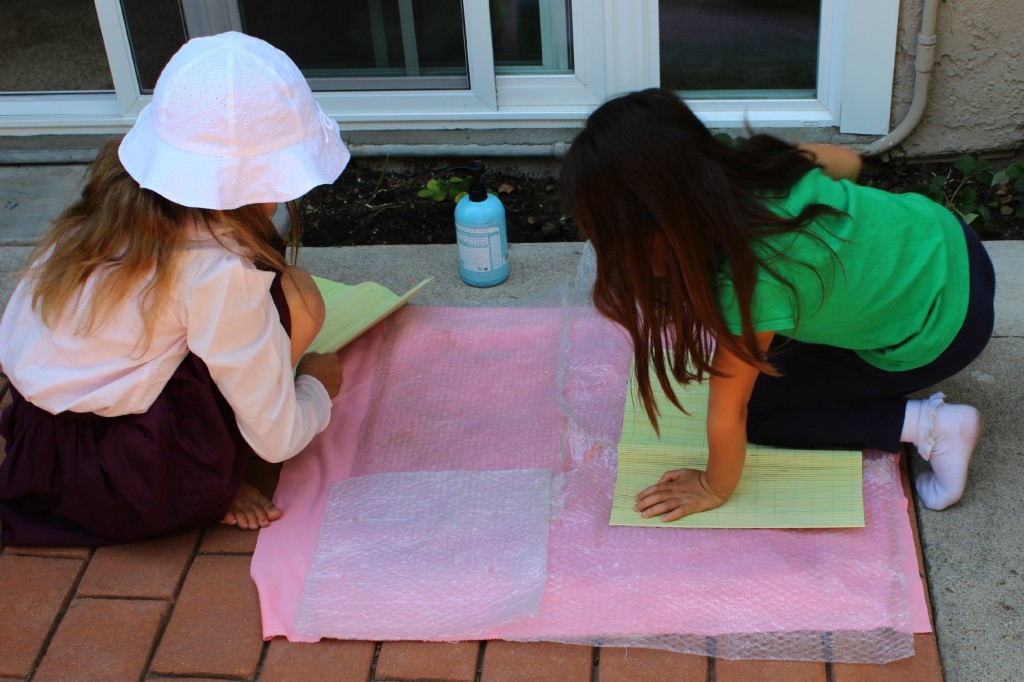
{"type": "Point", "coordinates": [121, 234]}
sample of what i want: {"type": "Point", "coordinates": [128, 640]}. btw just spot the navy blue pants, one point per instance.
{"type": "Point", "coordinates": [829, 397]}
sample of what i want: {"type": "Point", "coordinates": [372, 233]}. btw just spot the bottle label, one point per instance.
{"type": "Point", "coordinates": [480, 248]}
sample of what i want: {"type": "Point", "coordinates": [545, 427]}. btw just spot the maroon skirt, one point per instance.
{"type": "Point", "coordinates": [74, 479]}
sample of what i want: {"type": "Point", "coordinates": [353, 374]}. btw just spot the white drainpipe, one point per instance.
{"type": "Point", "coordinates": [923, 64]}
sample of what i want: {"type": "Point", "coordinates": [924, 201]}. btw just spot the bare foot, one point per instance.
{"type": "Point", "coordinates": [251, 510]}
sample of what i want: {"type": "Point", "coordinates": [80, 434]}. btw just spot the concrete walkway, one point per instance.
{"type": "Point", "coordinates": [973, 551]}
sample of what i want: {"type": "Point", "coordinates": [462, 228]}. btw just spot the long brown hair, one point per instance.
{"type": "Point", "coordinates": [666, 205]}
{"type": "Point", "coordinates": [120, 234]}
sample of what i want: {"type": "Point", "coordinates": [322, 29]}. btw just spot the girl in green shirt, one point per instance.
{"type": "Point", "coordinates": [812, 305]}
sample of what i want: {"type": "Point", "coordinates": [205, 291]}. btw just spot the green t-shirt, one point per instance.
{"type": "Point", "coordinates": [893, 288]}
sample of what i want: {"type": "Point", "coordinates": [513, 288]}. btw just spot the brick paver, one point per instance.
{"type": "Point", "coordinates": [532, 661]}
{"type": "Point", "coordinates": [103, 639]}
{"type": "Point", "coordinates": [327, 661]}
{"type": "Point", "coordinates": [769, 671]}
{"type": "Point", "coordinates": [222, 539]}
{"type": "Point", "coordinates": [82, 553]}
{"type": "Point", "coordinates": [628, 664]}
{"type": "Point", "coordinates": [442, 661]}
{"type": "Point", "coordinates": [149, 570]}
{"type": "Point", "coordinates": [924, 665]}
{"type": "Point", "coordinates": [215, 628]}
{"type": "Point", "coordinates": [33, 592]}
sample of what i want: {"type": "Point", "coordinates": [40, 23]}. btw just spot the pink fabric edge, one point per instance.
{"type": "Point", "coordinates": [919, 613]}
{"type": "Point", "coordinates": [284, 550]}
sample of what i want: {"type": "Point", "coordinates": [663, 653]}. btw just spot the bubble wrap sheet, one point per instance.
{"type": "Point", "coordinates": [438, 393]}
{"type": "Point", "coordinates": [472, 549]}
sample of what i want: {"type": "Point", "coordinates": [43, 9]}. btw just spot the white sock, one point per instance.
{"type": "Point", "coordinates": [910, 421]}
{"type": "Point", "coordinates": [945, 436]}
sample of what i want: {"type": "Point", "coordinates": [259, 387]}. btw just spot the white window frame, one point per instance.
{"type": "Point", "coordinates": [855, 77]}
{"type": "Point", "coordinates": [615, 45]}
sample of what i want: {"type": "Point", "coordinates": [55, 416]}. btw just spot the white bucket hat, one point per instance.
{"type": "Point", "coordinates": [232, 122]}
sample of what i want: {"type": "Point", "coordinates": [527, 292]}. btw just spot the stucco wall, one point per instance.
{"type": "Point", "coordinates": [976, 99]}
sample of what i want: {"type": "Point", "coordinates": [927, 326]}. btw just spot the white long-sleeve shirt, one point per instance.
{"type": "Point", "coordinates": [221, 310]}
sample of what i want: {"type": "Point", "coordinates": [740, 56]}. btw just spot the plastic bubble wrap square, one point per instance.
{"type": "Point", "coordinates": [448, 553]}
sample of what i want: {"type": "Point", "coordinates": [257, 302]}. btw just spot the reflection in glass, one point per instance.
{"type": "Point", "coordinates": [156, 30]}
{"type": "Point", "coordinates": [531, 36]}
{"type": "Point", "coordinates": [52, 46]}
{"type": "Point", "coordinates": [739, 48]}
{"type": "Point", "coordinates": [366, 44]}
{"type": "Point", "coordinates": [358, 44]}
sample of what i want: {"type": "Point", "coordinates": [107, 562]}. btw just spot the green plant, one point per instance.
{"type": "Point", "coordinates": [377, 188]}
{"type": "Point", "coordinates": [726, 139]}
{"type": "Point", "coordinates": [453, 188]}
{"type": "Point", "coordinates": [961, 194]}
{"type": "Point", "coordinates": [1009, 184]}
{"type": "Point", "coordinates": [1014, 173]}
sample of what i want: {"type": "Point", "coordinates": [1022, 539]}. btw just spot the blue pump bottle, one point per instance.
{"type": "Point", "coordinates": [481, 232]}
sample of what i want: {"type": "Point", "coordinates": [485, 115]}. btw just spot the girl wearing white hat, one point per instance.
{"type": "Point", "coordinates": [150, 345]}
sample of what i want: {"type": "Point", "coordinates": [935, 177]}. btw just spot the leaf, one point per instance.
{"type": "Point", "coordinates": [1000, 178]}
{"type": "Point", "coordinates": [966, 195]}
{"type": "Point", "coordinates": [972, 167]}
{"type": "Point", "coordinates": [458, 197]}
{"type": "Point", "coordinates": [969, 217]}
{"type": "Point", "coordinates": [965, 163]}
{"type": "Point", "coordinates": [928, 191]}
{"type": "Point", "coordinates": [725, 138]}
{"type": "Point", "coordinates": [424, 193]}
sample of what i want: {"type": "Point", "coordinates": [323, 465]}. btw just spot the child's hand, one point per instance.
{"type": "Point", "coordinates": [677, 494]}
{"type": "Point", "coordinates": [325, 368]}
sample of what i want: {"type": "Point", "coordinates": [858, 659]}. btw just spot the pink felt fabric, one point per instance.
{"type": "Point", "coordinates": [437, 389]}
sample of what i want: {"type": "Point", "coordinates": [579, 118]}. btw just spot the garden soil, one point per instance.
{"type": "Point", "coordinates": [377, 203]}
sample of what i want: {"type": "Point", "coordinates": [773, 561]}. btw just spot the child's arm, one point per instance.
{"type": "Point", "coordinates": [686, 491]}
{"type": "Point", "coordinates": [233, 325]}
{"type": "Point", "coordinates": [836, 161]}
{"type": "Point", "coordinates": [728, 396]}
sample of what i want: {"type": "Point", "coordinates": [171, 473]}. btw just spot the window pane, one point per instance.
{"type": "Point", "coordinates": [155, 30]}
{"type": "Point", "coordinates": [739, 48]}
{"type": "Point", "coordinates": [366, 44]}
{"type": "Point", "coordinates": [531, 36]}
{"type": "Point", "coordinates": [52, 46]}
